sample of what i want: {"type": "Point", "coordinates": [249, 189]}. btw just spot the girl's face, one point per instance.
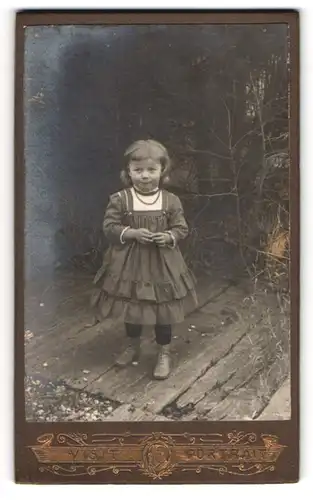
{"type": "Point", "coordinates": [145, 173]}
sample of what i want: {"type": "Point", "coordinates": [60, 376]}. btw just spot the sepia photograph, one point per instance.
{"type": "Point", "coordinates": [157, 222]}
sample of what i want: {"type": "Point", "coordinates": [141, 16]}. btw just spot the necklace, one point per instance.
{"type": "Point", "coordinates": [146, 193]}
{"type": "Point", "coordinates": [146, 202]}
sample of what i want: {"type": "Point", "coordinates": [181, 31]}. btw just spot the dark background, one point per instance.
{"type": "Point", "coordinates": [216, 96]}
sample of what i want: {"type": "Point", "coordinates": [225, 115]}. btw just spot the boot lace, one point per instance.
{"type": "Point", "coordinates": [163, 356]}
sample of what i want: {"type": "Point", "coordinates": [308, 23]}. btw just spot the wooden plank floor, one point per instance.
{"type": "Point", "coordinates": [279, 405]}
{"type": "Point", "coordinates": [229, 357]}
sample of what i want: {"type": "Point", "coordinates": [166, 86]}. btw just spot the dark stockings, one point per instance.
{"type": "Point", "coordinates": [163, 333]}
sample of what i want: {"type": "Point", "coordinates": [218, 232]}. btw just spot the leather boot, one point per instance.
{"type": "Point", "coordinates": [163, 365]}
{"type": "Point", "coordinates": [131, 353]}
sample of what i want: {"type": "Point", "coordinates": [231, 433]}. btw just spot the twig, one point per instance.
{"type": "Point", "coordinates": [230, 193]}
{"type": "Point", "coordinates": [230, 138]}
{"type": "Point", "coordinates": [260, 116]}
{"type": "Point", "coordinates": [235, 189]}
{"type": "Point", "coordinates": [281, 152]}
{"type": "Point", "coordinates": [218, 138]}
{"type": "Point", "coordinates": [278, 204]}
{"type": "Point", "coordinates": [250, 132]}
{"type": "Point", "coordinates": [208, 152]}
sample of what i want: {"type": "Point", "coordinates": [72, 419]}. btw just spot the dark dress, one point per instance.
{"type": "Point", "coordinates": [143, 284]}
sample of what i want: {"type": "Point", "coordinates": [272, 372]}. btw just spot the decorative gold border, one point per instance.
{"type": "Point", "coordinates": [157, 455]}
{"type": "Point", "coordinates": [57, 472]}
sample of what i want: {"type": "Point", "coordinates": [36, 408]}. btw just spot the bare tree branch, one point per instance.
{"type": "Point", "coordinates": [208, 152]}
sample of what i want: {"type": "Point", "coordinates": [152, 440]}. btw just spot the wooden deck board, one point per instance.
{"type": "Point", "coordinates": [54, 313]}
{"type": "Point", "coordinates": [225, 365]}
{"type": "Point", "coordinates": [252, 354]}
{"type": "Point", "coordinates": [93, 351]}
{"type": "Point", "coordinates": [60, 326]}
{"type": "Point", "coordinates": [126, 384]}
{"type": "Point", "coordinates": [247, 402]}
{"type": "Point", "coordinates": [199, 355]}
{"type": "Point", "coordinates": [127, 412]}
{"type": "Point", "coordinates": [280, 404]}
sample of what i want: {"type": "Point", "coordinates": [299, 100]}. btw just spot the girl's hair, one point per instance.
{"type": "Point", "coordinates": [158, 151]}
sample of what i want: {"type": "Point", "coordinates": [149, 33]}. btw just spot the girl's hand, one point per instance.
{"type": "Point", "coordinates": [162, 239]}
{"type": "Point", "coordinates": [141, 235]}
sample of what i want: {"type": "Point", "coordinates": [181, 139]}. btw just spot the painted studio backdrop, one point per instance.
{"type": "Point", "coordinates": [217, 97]}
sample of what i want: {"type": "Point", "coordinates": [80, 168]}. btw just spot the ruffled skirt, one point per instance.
{"type": "Point", "coordinates": [143, 284]}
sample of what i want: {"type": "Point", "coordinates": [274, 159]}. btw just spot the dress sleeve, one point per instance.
{"type": "Point", "coordinates": [113, 227]}
{"type": "Point", "coordinates": [177, 226]}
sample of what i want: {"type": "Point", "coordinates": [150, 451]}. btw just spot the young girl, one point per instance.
{"type": "Point", "coordinates": [144, 279]}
